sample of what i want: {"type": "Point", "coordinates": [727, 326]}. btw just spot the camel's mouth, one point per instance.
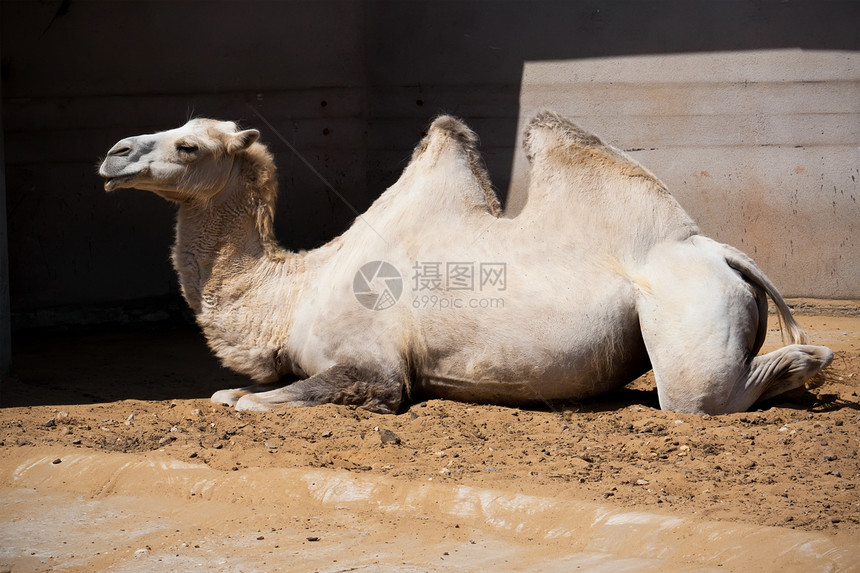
{"type": "Point", "coordinates": [121, 181]}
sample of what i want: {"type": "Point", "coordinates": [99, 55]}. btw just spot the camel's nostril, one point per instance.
{"type": "Point", "coordinates": [120, 150]}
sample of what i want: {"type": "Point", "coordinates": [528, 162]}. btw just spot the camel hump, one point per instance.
{"type": "Point", "coordinates": [450, 128]}
{"type": "Point", "coordinates": [550, 134]}
{"type": "Point", "coordinates": [456, 129]}
{"type": "Point", "coordinates": [562, 131]}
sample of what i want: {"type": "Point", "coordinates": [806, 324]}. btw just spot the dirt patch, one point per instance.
{"type": "Point", "coordinates": [792, 463]}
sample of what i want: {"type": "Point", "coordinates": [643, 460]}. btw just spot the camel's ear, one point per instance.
{"type": "Point", "coordinates": [242, 140]}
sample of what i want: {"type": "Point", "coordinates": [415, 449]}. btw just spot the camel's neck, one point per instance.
{"type": "Point", "coordinates": [233, 273]}
{"type": "Point", "coordinates": [224, 242]}
{"type": "Point", "coordinates": [219, 249]}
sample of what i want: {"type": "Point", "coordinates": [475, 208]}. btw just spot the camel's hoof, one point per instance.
{"type": "Point", "coordinates": [228, 397]}
{"type": "Point", "coordinates": [250, 403]}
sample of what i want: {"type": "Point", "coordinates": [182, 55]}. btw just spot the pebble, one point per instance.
{"type": "Point", "coordinates": [50, 423]}
{"type": "Point", "coordinates": [388, 437]}
{"type": "Point", "coordinates": [57, 461]}
{"type": "Point", "coordinates": [642, 482]}
{"type": "Point", "coordinates": [141, 552]}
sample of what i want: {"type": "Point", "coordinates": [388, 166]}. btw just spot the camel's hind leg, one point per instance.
{"type": "Point", "coordinates": [785, 369]}
{"type": "Point", "coordinates": [702, 324]}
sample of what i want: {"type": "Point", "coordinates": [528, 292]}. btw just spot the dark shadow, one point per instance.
{"type": "Point", "coordinates": [106, 364]}
{"type": "Point", "coordinates": [808, 401]}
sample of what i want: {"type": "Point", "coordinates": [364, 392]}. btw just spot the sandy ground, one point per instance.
{"type": "Point", "coordinates": [106, 437]}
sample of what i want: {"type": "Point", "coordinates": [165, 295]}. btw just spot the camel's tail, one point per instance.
{"type": "Point", "coordinates": [750, 271]}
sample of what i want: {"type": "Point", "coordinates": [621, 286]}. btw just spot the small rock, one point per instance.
{"type": "Point", "coordinates": [50, 423]}
{"type": "Point", "coordinates": [76, 442]}
{"type": "Point", "coordinates": [196, 412]}
{"type": "Point", "coordinates": [326, 434]}
{"type": "Point", "coordinates": [830, 458]}
{"type": "Point", "coordinates": [642, 482]}
{"type": "Point", "coordinates": [57, 461]}
{"type": "Point", "coordinates": [141, 552]}
{"type": "Point", "coordinates": [313, 538]}
{"type": "Point", "coordinates": [388, 437]}
{"type": "Point", "coordinates": [260, 538]}
{"type": "Point", "coordinates": [271, 446]}
{"type": "Point", "coordinates": [130, 419]}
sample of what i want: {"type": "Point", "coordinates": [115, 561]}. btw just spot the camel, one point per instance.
{"type": "Point", "coordinates": [433, 293]}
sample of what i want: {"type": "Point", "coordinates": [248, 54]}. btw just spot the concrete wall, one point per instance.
{"type": "Point", "coordinates": [747, 110]}
{"type": "Point", "coordinates": [5, 310]}
{"type": "Point", "coordinates": [760, 147]}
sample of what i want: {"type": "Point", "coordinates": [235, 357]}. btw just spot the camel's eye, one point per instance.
{"type": "Point", "coordinates": [186, 147]}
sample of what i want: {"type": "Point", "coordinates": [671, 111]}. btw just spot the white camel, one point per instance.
{"type": "Point", "coordinates": [431, 293]}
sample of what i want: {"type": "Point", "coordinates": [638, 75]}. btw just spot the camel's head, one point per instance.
{"type": "Point", "coordinates": [192, 162]}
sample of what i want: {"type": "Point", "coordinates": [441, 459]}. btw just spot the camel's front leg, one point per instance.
{"type": "Point", "coordinates": [230, 396]}
{"type": "Point", "coordinates": [377, 390]}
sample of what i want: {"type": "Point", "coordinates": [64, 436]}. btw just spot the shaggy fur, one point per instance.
{"type": "Point", "coordinates": [605, 276]}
